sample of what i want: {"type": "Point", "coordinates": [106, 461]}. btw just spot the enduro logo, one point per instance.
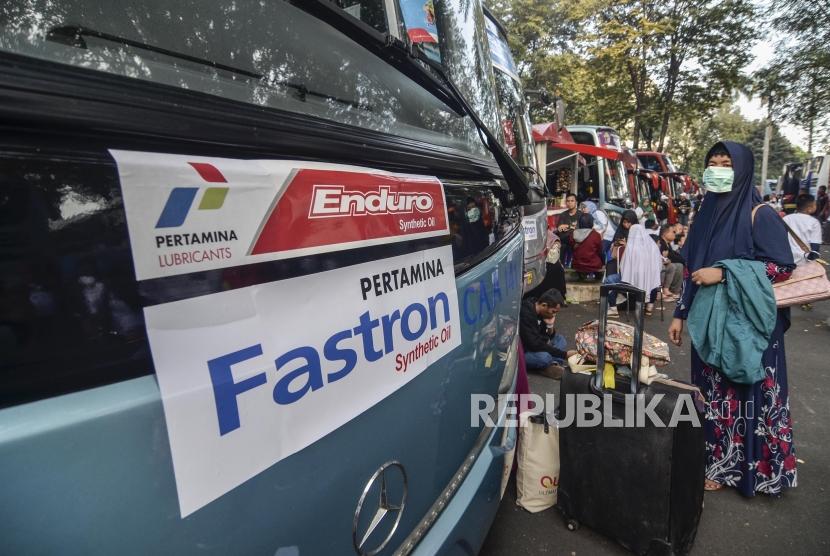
{"type": "Point", "coordinates": [333, 200]}
{"type": "Point", "coordinates": [181, 199]}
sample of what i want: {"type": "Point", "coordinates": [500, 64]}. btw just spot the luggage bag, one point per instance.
{"type": "Point", "coordinates": [641, 486]}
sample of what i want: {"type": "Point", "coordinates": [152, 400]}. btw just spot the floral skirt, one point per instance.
{"type": "Point", "coordinates": [748, 428]}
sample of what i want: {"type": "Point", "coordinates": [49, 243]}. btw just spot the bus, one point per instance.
{"type": "Point", "coordinates": [260, 261]}
{"type": "Point", "coordinates": [789, 184]}
{"type": "Point", "coordinates": [816, 173]}
{"type": "Point", "coordinates": [673, 183]}
{"type": "Point", "coordinates": [518, 140]}
{"type": "Point", "coordinates": [640, 181]}
{"type": "Point", "coordinates": [602, 179]}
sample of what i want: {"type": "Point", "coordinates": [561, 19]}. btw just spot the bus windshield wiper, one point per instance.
{"type": "Point", "coordinates": [73, 35]}
{"type": "Point", "coordinates": [421, 69]}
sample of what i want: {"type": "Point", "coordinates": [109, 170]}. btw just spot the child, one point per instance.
{"type": "Point", "coordinates": [806, 227]}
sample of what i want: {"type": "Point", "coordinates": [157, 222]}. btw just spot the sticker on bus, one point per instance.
{"type": "Point", "coordinates": [250, 376]}
{"type": "Point", "coordinates": [191, 213]}
{"type": "Point", "coordinates": [529, 227]}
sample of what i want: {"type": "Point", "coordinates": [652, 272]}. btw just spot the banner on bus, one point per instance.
{"type": "Point", "coordinates": [191, 213]}
{"type": "Point", "coordinates": [251, 376]}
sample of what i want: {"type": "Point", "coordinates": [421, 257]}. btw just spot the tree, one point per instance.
{"type": "Point", "coordinates": [798, 78]}
{"type": "Point", "coordinates": [691, 139]}
{"type": "Point", "coordinates": [631, 64]}
{"type": "Point", "coordinates": [677, 52]}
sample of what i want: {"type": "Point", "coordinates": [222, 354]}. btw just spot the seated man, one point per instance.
{"type": "Point", "coordinates": [544, 347]}
{"type": "Point", "coordinates": [671, 277]}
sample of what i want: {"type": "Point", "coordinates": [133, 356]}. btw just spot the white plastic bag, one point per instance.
{"type": "Point", "coordinates": [537, 476]}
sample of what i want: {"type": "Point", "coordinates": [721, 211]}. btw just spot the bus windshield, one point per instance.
{"type": "Point", "coordinates": [615, 185]}
{"type": "Point", "coordinates": [255, 53]}
{"type": "Point", "coordinates": [515, 121]}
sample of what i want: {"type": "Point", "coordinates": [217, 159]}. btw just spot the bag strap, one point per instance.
{"type": "Point", "coordinates": [804, 247]}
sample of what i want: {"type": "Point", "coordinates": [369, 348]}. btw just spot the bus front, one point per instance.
{"type": "Point", "coordinates": [259, 268]}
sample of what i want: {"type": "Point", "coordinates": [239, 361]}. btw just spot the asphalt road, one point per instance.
{"type": "Point", "coordinates": [795, 524]}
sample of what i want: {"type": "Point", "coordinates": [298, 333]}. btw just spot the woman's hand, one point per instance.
{"type": "Point", "coordinates": [707, 276]}
{"type": "Point", "coordinates": [676, 331]}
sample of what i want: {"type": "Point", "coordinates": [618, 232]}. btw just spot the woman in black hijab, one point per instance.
{"type": "Point", "coordinates": [748, 428]}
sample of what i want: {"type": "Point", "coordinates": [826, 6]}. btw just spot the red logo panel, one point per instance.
{"type": "Point", "coordinates": [331, 207]}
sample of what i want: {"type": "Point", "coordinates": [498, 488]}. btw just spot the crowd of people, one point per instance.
{"type": "Point", "coordinates": [588, 242]}
{"type": "Point", "coordinates": [748, 427]}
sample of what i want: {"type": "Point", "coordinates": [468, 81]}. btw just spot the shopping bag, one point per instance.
{"type": "Point", "coordinates": [537, 476]}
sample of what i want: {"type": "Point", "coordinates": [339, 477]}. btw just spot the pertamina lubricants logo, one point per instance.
{"type": "Point", "coordinates": [194, 246]}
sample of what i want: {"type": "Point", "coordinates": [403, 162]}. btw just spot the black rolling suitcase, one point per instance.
{"type": "Point", "coordinates": [642, 486]}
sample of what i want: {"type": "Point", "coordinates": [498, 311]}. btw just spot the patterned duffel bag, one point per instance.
{"type": "Point", "coordinates": [619, 344]}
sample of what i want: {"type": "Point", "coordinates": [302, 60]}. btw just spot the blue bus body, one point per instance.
{"type": "Point", "coordinates": [87, 449]}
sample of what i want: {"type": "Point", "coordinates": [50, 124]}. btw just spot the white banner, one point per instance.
{"type": "Point", "coordinates": [250, 376]}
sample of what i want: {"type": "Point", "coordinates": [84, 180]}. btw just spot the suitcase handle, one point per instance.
{"type": "Point", "coordinates": [639, 297]}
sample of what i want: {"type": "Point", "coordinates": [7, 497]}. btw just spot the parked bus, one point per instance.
{"type": "Point", "coordinates": [603, 179]}
{"type": "Point", "coordinates": [639, 181]}
{"type": "Point", "coordinates": [518, 140]}
{"type": "Point", "coordinates": [788, 185]}
{"type": "Point", "coordinates": [256, 260]}
{"type": "Point", "coordinates": [674, 182]}
{"type": "Point", "coordinates": [816, 173]}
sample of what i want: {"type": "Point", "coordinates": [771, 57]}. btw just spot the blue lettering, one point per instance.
{"type": "Point", "coordinates": [433, 303]}
{"type": "Point", "coordinates": [469, 319]}
{"type": "Point", "coordinates": [496, 287]}
{"type": "Point", "coordinates": [483, 301]}
{"type": "Point", "coordinates": [300, 370]}
{"type": "Point", "coordinates": [334, 353]}
{"type": "Point", "coordinates": [367, 324]}
{"type": "Point", "coordinates": [405, 327]}
{"type": "Point", "coordinates": [312, 370]}
{"type": "Point", "coordinates": [225, 390]}
{"type": "Point", "coordinates": [388, 336]}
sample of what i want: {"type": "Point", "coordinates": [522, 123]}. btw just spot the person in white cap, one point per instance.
{"type": "Point", "coordinates": [661, 209]}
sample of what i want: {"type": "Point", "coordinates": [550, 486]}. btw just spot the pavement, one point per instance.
{"type": "Point", "coordinates": [796, 523]}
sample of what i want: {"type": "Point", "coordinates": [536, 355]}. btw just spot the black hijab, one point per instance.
{"type": "Point", "coordinates": [585, 221]}
{"type": "Point", "coordinates": [622, 231]}
{"type": "Point", "coordinates": [723, 228]}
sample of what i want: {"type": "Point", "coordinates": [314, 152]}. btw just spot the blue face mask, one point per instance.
{"type": "Point", "coordinates": [718, 179]}
{"type": "Point", "coordinates": [473, 214]}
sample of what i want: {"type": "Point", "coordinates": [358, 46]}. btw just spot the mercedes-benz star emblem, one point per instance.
{"type": "Point", "coordinates": [390, 502]}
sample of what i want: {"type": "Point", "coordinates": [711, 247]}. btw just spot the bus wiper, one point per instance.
{"type": "Point", "coordinates": [383, 45]}
{"type": "Point", "coordinates": [414, 63]}
{"type": "Point", "coordinates": [73, 35]}
{"type": "Point", "coordinates": [513, 173]}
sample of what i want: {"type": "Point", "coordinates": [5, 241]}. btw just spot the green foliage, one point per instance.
{"type": "Point", "coordinates": [662, 73]}
{"type": "Point", "coordinates": [692, 138]}
{"type": "Point", "coordinates": [631, 64]}
{"type": "Point", "coordinates": [798, 78]}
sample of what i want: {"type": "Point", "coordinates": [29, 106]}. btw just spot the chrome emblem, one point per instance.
{"type": "Point", "coordinates": [382, 509]}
